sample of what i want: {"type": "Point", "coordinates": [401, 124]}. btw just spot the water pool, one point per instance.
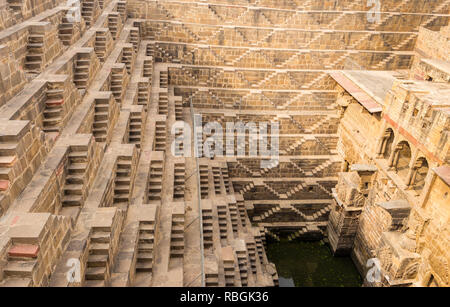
{"type": "Point", "coordinates": [311, 264]}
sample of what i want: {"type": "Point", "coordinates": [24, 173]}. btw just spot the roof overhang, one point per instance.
{"type": "Point", "coordinates": [370, 104]}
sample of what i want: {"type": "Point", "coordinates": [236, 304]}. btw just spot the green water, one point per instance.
{"type": "Point", "coordinates": [311, 264]}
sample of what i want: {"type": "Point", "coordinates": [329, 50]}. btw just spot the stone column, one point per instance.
{"type": "Point", "coordinates": [411, 177]}
{"type": "Point", "coordinates": [413, 168]}
{"type": "Point", "coordinates": [393, 159]}
{"type": "Point", "coordinates": [382, 146]}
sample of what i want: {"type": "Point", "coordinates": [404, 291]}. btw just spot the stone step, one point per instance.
{"type": "Point", "coordinates": [144, 256]}
{"type": "Point", "coordinates": [99, 248]}
{"type": "Point", "coordinates": [177, 236]}
{"type": "Point", "coordinates": [75, 179]}
{"type": "Point", "coordinates": [34, 58]}
{"type": "Point", "coordinates": [100, 237]}
{"type": "Point", "coordinates": [16, 282]}
{"type": "Point", "coordinates": [7, 161]}
{"type": "Point", "coordinates": [94, 283]}
{"type": "Point", "coordinates": [121, 198]}
{"type": "Point", "coordinates": [77, 168]}
{"type": "Point", "coordinates": [121, 189]}
{"type": "Point", "coordinates": [78, 156]}
{"type": "Point", "coordinates": [52, 121]}
{"type": "Point", "coordinates": [144, 267]}
{"type": "Point", "coordinates": [145, 247]}
{"type": "Point", "coordinates": [8, 149]}
{"type": "Point", "coordinates": [146, 238]}
{"type": "Point", "coordinates": [22, 252]}
{"type": "Point", "coordinates": [97, 260]}
{"type": "Point", "coordinates": [72, 200]}
{"type": "Point", "coordinates": [95, 273]}
{"type": "Point", "coordinates": [177, 253]}
{"type": "Point", "coordinates": [19, 268]}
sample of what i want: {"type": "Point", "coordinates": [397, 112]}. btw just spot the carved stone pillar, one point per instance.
{"type": "Point", "coordinates": [381, 147]}
{"type": "Point", "coordinates": [392, 157]}
{"type": "Point", "coordinates": [383, 144]}
{"type": "Point", "coordinates": [411, 177]}
{"type": "Point", "coordinates": [412, 173]}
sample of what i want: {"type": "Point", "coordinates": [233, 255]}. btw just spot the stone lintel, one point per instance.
{"type": "Point", "coordinates": [398, 209]}
{"type": "Point", "coordinates": [363, 168]}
